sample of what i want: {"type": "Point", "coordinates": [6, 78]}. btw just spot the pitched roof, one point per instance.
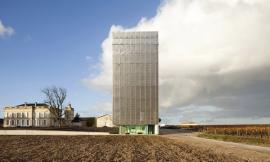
{"type": "Point", "coordinates": [86, 118]}
{"type": "Point", "coordinates": [82, 119]}
{"type": "Point", "coordinates": [104, 115]}
{"type": "Point", "coordinates": [34, 104]}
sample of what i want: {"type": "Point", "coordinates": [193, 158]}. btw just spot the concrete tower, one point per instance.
{"type": "Point", "coordinates": [135, 82]}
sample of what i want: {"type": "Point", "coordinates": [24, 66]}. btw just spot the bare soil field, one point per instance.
{"type": "Point", "coordinates": [104, 148]}
{"type": "Point", "coordinates": [111, 130]}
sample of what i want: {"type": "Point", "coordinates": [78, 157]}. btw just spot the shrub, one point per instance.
{"type": "Point", "coordinates": [91, 122]}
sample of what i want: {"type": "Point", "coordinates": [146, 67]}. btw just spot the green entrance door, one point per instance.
{"type": "Point", "coordinates": [137, 129]}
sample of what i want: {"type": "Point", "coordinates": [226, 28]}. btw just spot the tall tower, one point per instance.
{"type": "Point", "coordinates": [69, 114]}
{"type": "Point", "coordinates": [135, 82]}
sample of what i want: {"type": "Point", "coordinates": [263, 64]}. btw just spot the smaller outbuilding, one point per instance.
{"type": "Point", "coordinates": [84, 121]}
{"type": "Point", "coordinates": [104, 121]}
{"type": "Point", "coordinates": [101, 121]}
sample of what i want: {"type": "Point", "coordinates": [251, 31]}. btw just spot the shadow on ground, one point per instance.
{"type": "Point", "coordinates": [179, 131]}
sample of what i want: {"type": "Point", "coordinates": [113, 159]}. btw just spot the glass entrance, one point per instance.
{"type": "Point", "coordinates": [137, 129]}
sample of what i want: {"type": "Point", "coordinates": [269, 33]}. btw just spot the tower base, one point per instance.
{"type": "Point", "coordinates": [139, 129]}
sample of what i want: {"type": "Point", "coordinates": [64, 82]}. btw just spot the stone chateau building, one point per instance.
{"type": "Point", "coordinates": [35, 115]}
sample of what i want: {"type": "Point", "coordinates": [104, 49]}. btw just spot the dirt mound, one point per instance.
{"type": "Point", "coordinates": [103, 148]}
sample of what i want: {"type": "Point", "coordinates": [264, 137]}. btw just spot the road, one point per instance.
{"type": "Point", "coordinates": [243, 151]}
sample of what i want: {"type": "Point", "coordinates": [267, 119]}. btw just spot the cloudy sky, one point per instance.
{"type": "Point", "coordinates": [214, 55]}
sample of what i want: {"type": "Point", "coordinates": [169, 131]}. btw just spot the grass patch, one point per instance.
{"type": "Point", "coordinates": [237, 139]}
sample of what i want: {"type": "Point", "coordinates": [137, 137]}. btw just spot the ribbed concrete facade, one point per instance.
{"type": "Point", "coordinates": [135, 78]}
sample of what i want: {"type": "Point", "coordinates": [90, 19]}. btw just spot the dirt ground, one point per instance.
{"type": "Point", "coordinates": [245, 152]}
{"type": "Point", "coordinates": [111, 130]}
{"type": "Point", "coordinates": [105, 148]}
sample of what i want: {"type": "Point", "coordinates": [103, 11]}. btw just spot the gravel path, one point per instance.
{"type": "Point", "coordinates": [241, 151]}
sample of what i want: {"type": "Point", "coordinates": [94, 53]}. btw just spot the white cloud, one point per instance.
{"type": "Point", "coordinates": [5, 30]}
{"type": "Point", "coordinates": [213, 53]}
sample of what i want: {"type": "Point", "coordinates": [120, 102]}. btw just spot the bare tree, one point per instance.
{"type": "Point", "coordinates": [55, 97]}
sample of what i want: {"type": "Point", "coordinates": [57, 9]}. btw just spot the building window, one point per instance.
{"type": "Point", "coordinates": [18, 115]}
{"type": "Point", "coordinates": [27, 122]}
{"type": "Point", "coordinates": [44, 122]}
{"type": "Point", "coordinates": [7, 122]}
{"type": "Point", "coordinates": [18, 122]}
{"type": "Point", "coordinates": [46, 114]}
{"type": "Point", "coordinates": [12, 122]}
{"type": "Point", "coordinates": [22, 122]}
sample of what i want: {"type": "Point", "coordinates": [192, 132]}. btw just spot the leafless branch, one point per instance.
{"type": "Point", "coordinates": [55, 98]}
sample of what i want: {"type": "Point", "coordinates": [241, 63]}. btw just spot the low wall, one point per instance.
{"type": "Point", "coordinates": [49, 132]}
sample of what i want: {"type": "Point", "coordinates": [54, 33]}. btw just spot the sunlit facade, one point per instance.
{"type": "Point", "coordinates": [135, 82]}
